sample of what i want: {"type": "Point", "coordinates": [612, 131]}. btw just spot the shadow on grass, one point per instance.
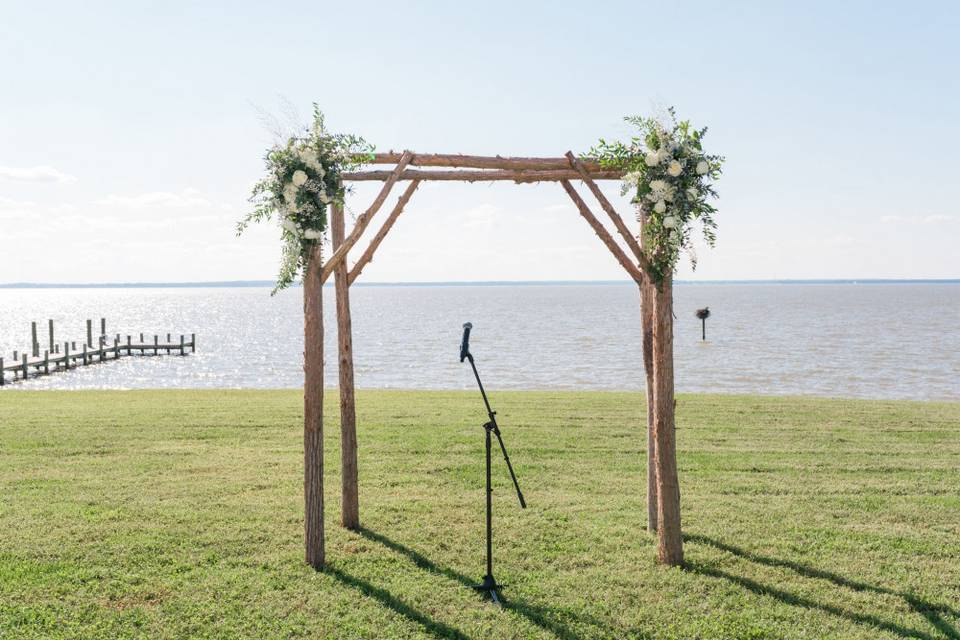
{"type": "Point", "coordinates": [934, 613]}
{"type": "Point", "coordinates": [543, 617]}
{"type": "Point", "coordinates": [387, 599]}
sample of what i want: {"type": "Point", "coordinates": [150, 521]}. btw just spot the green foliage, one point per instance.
{"type": "Point", "coordinates": [670, 178]}
{"type": "Point", "coordinates": [303, 179]}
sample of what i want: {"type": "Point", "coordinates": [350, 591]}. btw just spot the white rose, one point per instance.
{"type": "Point", "coordinates": [675, 169]}
{"type": "Point", "coordinates": [324, 198]}
{"type": "Point", "coordinates": [299, 178]}
{"type": "Point", "coordinates": [692, 193]}
{"type": "Point", "coordinates": [660, 207]}
{"type": "Point", "coordinates": [652, 159]}
{"type": "Point", "coordinates": [702, 167]}
{"type": "Point", "coordinates": [311, 234]}
{"type": "Point", "coordinates": [658, 185]}
{"type": "Point", "coordinates": [670, 222]}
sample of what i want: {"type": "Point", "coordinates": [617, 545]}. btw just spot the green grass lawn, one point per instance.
{"type": "Point", "coordinates": [179, 515]}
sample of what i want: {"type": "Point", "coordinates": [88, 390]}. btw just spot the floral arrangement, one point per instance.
{"type": "Point", "coordinates": [302, 181]}
{"type": "Point", "coordinates": [670, 178]}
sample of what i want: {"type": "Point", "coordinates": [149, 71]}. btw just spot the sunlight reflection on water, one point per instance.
{"type": "Point", "coordinates": [878, 340]}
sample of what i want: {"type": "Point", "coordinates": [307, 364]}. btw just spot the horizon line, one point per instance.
{"type": "Point", "coordinates": [463, 283]}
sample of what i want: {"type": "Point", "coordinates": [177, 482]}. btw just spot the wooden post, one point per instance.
{"type": "Point", "coordinates": [350, 503]}
{"type": "Point", "coordinates": [46, 362]}
{"type": "Point", "coordinates": [103, 326]}
{"type": "Point", "coordinates": [102, 344]}
{"type": "Point", "coordinates": [313, 410]}
{"type": "Point", "coordinates": [3, 374]}
{"type": "Point", "coordinates": [156, 345]}
{"type": "Point", "coordinates": [90, 333]}
{"type": "Point", "coordinates": [670, 542]}
{"type": "Point", "coordinates": [52, 343]}
{"type": "Point", "coordinates": [86, 358]}
{"type": "Point", "coordinates": [25, 370]}
{"type": "Point", "coordinates": [34, 345]}
{"type": "Point", "coordinates": [183, 351]}
{"type": "Point", "coordinates": [66, 356]}
{"type": "Point", "coordinates": [647, 292]}
{"type": "Point", "coordinates": [193, 343]}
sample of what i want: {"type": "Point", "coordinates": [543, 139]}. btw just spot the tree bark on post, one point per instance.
{"type": "Point", "coordinates": [350, 503]}
{"type": "Point", "coordinates": [647, 292]}
{"type": "Point", "coordinates": [313, 411]}
{"type": "Point", "coordinates": [670, 542]}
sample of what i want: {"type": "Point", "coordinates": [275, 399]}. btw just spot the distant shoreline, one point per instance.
{"type": "Point", "coordinates": [231, 284]}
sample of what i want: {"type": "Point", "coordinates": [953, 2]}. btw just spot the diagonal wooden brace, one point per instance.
{"type": "Point", "coordinates": [364, 220]}
{"type": "Point", "coordinates": [628, 237]}
{"type": "Point", "coordinates": [382, 233]}
{"type": "Point", "coordinates": [604, 235]}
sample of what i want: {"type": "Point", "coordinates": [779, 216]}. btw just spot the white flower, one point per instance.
{"type": "Point", "coordinates": [702, 167]}
{"type": "Point", "coordinates": [308, 155]}
{"type": "Point", "coordinates": [652, 159]}
{"type": "Point", "coordinates": [290, 195]}
{"type": "Point", "coordinates": [299, 177]}
{"type": "Point", "coordinates": [660, 207]}
{"type": "Point", "coordinates": [311, 234]}
{"type": "Point", "coordinates": [632, 178]}
{"type": "Point", "coordinates": [670, 222]}
{"type": "Point", "coordinates": [675, 169]}
{"type": "Point", "coordinates": [324, 198]}
{"type": "Point", "coordinates": [692, 193]}
{"type": "Point", "coordinates": [660, 190]}
{"type": "Point", "coordinates": [289, 225]}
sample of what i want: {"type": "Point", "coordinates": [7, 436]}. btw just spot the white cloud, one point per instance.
{"type": "Point", "coordinates": [931, 219]}
{"type": "Point", "coordinates": [35, 174]}
{"type": "Point", "coordinates": [167, 199]}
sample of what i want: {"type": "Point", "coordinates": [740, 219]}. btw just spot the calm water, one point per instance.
{"type": "Point", "coordinates": [875, 341]}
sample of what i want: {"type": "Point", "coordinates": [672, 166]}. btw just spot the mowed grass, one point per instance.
{"type": "Point", "coordinates": [179, 515]}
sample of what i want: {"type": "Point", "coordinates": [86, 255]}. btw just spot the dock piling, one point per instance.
{"type": "Point", "coordinates": [69, 357]}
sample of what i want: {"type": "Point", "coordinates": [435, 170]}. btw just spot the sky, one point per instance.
{"type": "Point", "coordinates": [131, 132]}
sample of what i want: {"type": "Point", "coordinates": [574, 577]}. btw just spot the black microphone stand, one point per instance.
{"type": "Point", "coordinates": [489, 584]}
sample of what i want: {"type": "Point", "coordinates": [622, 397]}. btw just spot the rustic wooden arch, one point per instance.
{"type": "Point", "coordinates": [663, 491]}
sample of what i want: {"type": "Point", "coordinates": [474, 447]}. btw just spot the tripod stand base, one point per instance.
{"type": "Point", "coordinates": [490, 587]}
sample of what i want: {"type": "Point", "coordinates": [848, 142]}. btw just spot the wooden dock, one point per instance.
{"type": "Point", "coordinates": [95, 350]}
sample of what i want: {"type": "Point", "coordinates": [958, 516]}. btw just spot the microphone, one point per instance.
{"type": "Point", "coordinates": [465, 343]}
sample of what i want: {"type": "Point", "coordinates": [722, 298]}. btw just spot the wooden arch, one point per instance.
{"type": "Point", "coordinates": [663, 491]}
